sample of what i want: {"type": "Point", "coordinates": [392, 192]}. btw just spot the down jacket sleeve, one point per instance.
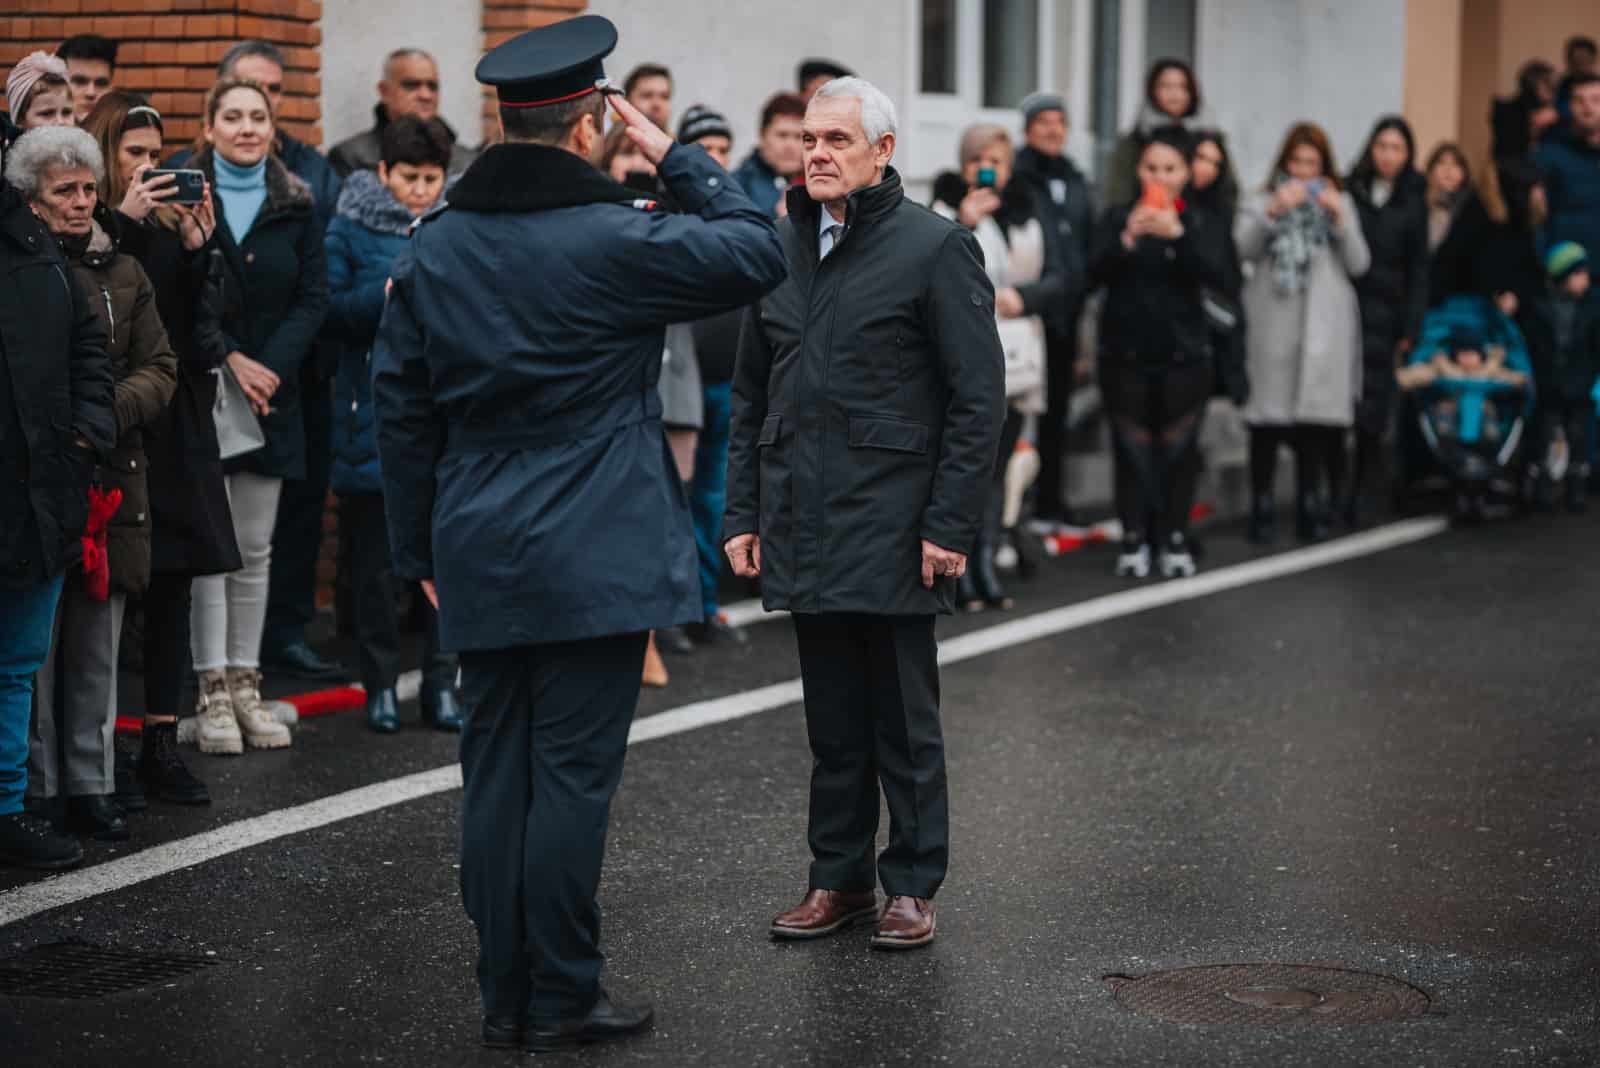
{"type": "Point", "coordinates": [410, 433]}
{"type": "Point", "coordinates": [144, 393]}
{"type": "Point", "coordinates": [960, 305]}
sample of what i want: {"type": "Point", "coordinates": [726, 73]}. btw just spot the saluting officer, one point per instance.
{"type": "Point", "coordinates": [530, 489]}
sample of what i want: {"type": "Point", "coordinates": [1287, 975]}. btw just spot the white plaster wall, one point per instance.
{"type": "Point", "coordinates": [1266, 64]}
{"type": "Point", "coordinates": [358, 34]}
{"type": "Point", "coordinates": [732, 54]}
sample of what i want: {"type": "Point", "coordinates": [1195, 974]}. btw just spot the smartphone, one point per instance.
{"type": "Point", "coordinates": [986, 177]}
{"type": "Point", "coordinates": [191, 185]}
{"type": "Point", "coordinates": [1315, 187]}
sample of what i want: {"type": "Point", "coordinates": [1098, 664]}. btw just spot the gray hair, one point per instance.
{"type": "Point", "coordinates": [244, 50]}
{"type": "Point", "coordinates": [979, 136]}
{"type": "Point", "coordinates": [405, 53]}
{"type": "Point", "coordinates": [43, 149]}
{"type": "Point", "coordinates": [877, 110]}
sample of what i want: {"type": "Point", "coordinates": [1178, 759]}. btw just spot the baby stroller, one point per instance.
{"type": "Point", "coordinates": [1468, 407]}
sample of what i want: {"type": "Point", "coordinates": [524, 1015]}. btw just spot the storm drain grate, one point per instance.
{"type": "Point", "coordinates": [1280, 996]}
{"type": "Point", "coordinates": [78, 970]}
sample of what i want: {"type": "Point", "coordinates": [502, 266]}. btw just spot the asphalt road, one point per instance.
{"type": "Point", "coordinates": [1386, 764]}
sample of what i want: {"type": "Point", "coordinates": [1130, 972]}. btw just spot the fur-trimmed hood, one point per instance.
{"type": "Point", "coordinates": [287, 194]}
{"type": "Point", "coordinates": [366, 201]}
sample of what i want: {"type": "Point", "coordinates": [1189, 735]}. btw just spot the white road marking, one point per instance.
{"type": "Point", "coordinates": [72, 887]}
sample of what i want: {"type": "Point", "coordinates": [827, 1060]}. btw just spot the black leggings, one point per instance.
{"type": "Point", "coordinates": [1156, 412]}
{"type": "Point", "coordinates": [1318, 454]}
{"type": "Point", "coordinates": [166, 644]}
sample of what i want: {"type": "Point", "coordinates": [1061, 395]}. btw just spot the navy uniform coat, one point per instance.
{"type": "Point", "coordinates": [867, 406]}
{"type": "Point", "coordinates": [524, 465]}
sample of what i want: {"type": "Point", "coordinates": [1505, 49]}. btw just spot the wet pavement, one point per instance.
{"type": "Point", "coordinates": [1389, 764]}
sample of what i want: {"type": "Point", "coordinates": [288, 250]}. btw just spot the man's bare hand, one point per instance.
{"type": "Point", "coordinates": [431, 592]}
{"type": "Point", "coordinates": [650, 138]}
{"type": "Point", "coordinates": [744, 553]}
{"type": "Point", "coordinates": [940, 563]}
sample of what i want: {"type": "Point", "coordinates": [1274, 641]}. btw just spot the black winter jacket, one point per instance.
{"type": "Point", "coordinates": [867, 408]}
{"type": "Point", "coordinates": [1394, 291]}
{"type": "Point", "coordinates": [1566, 373]}
{"type": "Point", "coordinates": [1481, 257]}
{"type": "Point", "coordinates": [193, 524]}
{"type": "Point", "coordinates": [1069, 219]}
{"type": "Point", "coordinates": [275, 295]}
{"type": "Point", "coordinates": [55, 386]}
{"type": "Point", "coordinates": [1154, 312]}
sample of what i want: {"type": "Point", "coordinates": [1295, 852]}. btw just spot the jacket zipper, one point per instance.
{"type": "Point", "coordinates": [110, 312]}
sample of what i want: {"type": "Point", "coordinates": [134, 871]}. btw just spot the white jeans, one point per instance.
{"type": "Point", "coordinates": [229, 612]}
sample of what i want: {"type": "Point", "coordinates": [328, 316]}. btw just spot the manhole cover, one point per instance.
{"type": "Point", "coordinates": [77, 970]}
{"type": "Point", "coordinates": [1283, 996]}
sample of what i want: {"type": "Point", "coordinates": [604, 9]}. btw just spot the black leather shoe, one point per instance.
{"type": "Point", "coordinates": [717, 631]}
{"type": "Point", "coordinates": [441, 710]}
{"type": "Point", "coordinates": [383, 711]}
{"type": "Point", "coordinates": [298, 658]}
{"type": "Point", "coordinates": [1311, 519]}
{"type": "Point", "coordinates": [97, 816]}
{"type": "Point", "coordinates": [674, 640]}
{"type": "Point", "coordinates": [503, 1032]}
{"type": "Point", "coordinates": [1263, 529]}
{"type": "Point", "coordinates": [606, 1020]}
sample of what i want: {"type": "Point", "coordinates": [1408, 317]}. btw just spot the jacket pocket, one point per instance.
{"type": "Point", "coordinates": [887, 432]}
{"type": "Point", "coordinates": [769, 430]}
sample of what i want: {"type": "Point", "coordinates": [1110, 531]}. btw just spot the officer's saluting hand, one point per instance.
{"type": "Point", "coordinates": [526, 472]}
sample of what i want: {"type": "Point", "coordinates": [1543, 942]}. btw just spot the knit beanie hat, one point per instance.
{"type": "Point", "coordinates": [1563, 259]}
{"type": "Point", "coordinates": [1036, 104]}
{"type": "Point", "coordinates": [700, 121]}
{"type": "Point", "coordinates": [26, 74]}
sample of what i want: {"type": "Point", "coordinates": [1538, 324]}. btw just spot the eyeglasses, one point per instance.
{"type": "Point", "coordinates": [412, 85]}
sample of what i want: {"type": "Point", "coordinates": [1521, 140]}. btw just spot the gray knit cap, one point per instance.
{"type": "Point", "coordinates": [1035, 104]}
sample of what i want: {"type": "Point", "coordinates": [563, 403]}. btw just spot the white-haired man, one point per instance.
{"type": "Point", "coordinates": [867, 406]}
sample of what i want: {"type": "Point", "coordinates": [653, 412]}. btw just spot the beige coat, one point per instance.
{"type": "Point", "coordinates": [1304, 349]}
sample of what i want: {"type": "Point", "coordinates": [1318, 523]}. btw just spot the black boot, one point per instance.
{"type": "Point", "coordinates": [1263, 529]}
{"type": "Point", "coordinates": [982, 561]}
{"type": "Point", "coordinates": [129, 794]}
{"type": "Point", "coordinates": [162, 770]}
{"type": "Point", "coordinates": [383, 711]}
{"type": "Point", "coordinates": [97, 815]}
{"type": "Point", "coordinates": [441, 710]}
{"type": "Point", "coordinates": [31, 841]}
{"type": "Point", "coordinates": [1577, 494]}
{"type": "Point", "coordinates": [1311, 520]}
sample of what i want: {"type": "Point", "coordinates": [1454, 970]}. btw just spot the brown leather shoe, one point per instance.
{"type": "Point", "coordinates": [905, 923]}
{"type": "Point", "coordinates": [825, 911]}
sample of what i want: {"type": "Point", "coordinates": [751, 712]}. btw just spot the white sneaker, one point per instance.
{"type": "Point", "coordinates": [1006, 558]}
{"type": "Point", "coordinates": [189, 730]}
{"type": "Point", "coordinates": [215, 725]}
{"type": "Point", "coordinates": [1134, 563]}
{"type": "Point", "coordinates": [260, 730]}
{"type": "Point", "coordinates": [1177, 563]}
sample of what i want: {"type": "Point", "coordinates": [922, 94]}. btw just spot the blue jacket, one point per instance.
{"type": "Point", "coordinates": [372, 228]}
{"type": "Point", "coordinates": [524, 464]}
{"type": "Point", "coordinates": [761, 183]}
{"type": "Point", "coordinates": [1570, 167]}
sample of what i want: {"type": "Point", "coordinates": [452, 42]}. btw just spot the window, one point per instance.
{"type": "Point", "coordinates": [939, 46]}
{"type": "Point", "coordinates": [1010, 51]}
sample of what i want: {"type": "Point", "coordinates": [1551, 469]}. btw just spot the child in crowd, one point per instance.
{"type": "Point", "coordinates": [1462, 375]}
{"type": "Point", "coordinates": [374, 220]}
{"type": "Point", "coordinates": [1563, 329]}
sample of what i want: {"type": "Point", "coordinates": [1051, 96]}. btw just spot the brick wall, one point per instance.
{"type": "Point", "coordinates": [170, 49]}
{"type": "Point", "coordinates": [503, 20]}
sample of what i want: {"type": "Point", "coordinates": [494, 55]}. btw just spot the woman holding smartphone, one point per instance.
{"type": "Point", "coordinates": [192, 527]}
{"type": "Point", "coordinates": [1303, 233]}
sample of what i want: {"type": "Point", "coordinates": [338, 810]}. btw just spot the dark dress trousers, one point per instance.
{"type": "Point", "coordinates": [868, 402]}
{"type": "Point", "coordinates": [525, 470]}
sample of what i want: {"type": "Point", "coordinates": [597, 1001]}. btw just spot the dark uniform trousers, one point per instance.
{"type": "Point", "coordinates": [541, 755]}
{"type": "Point", "coordinates": [872, 716]}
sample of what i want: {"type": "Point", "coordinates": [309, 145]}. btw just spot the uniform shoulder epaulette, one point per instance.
{"type": "Point", "coordinates": [430, 215]}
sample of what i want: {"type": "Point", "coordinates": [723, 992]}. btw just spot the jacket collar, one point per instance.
{"type": "Point", "coordinates": [380, 119]}
{"type": "Point", "coordinates": [1031, 163]}
{"type": "Point", "coordinates": [366, 201]}
{"type": "Point", "coordinates": [512, 178]}
{"type": "Point", "coordinates": [862, 208]}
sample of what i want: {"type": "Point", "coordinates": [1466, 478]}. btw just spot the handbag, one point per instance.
{"type": "Point", "coordinates": [1023, 342]}
{"type": "Point", "coordinates": [238, 429]}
